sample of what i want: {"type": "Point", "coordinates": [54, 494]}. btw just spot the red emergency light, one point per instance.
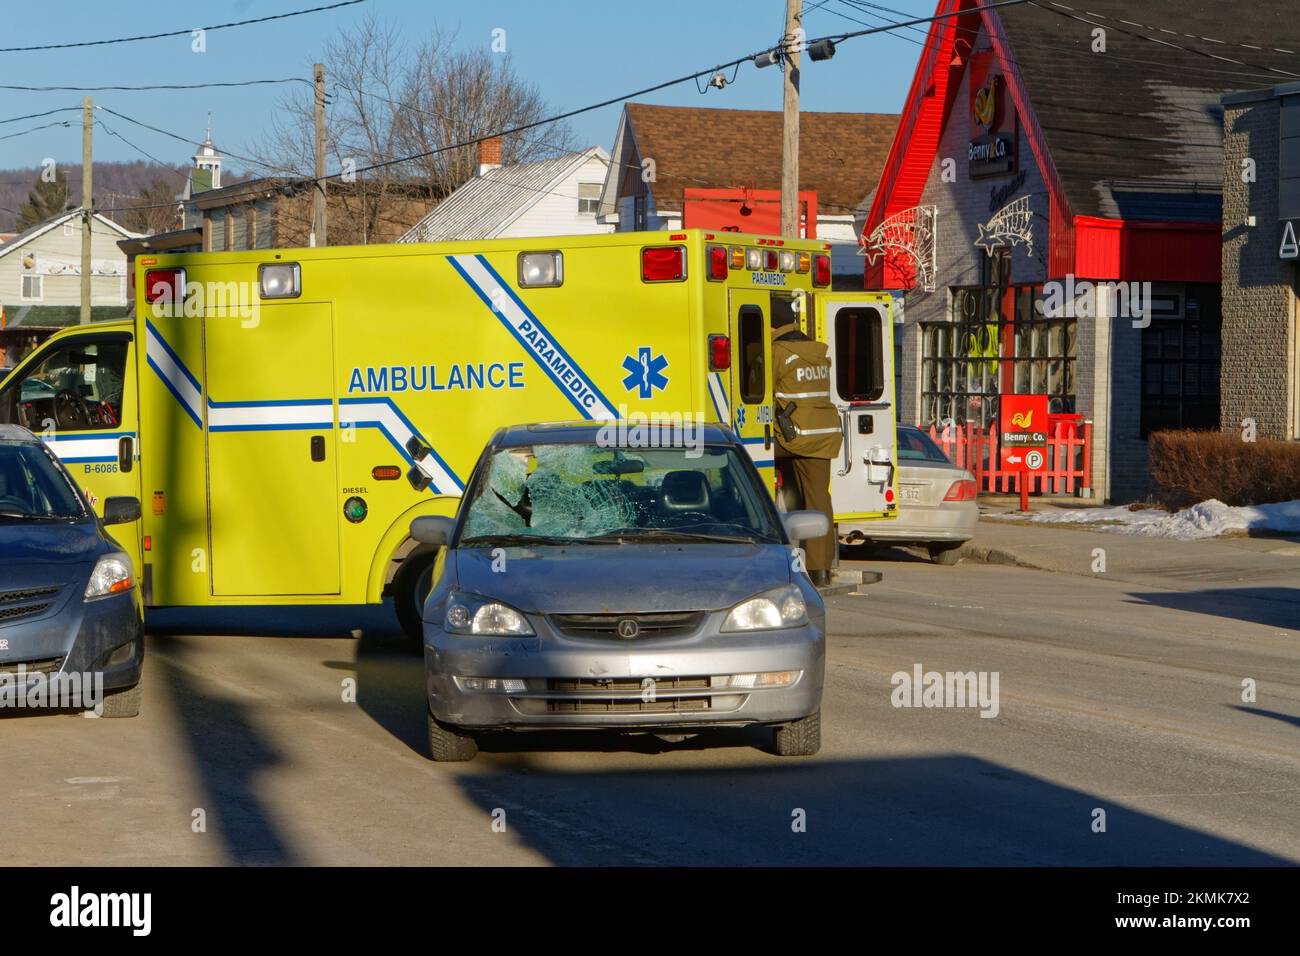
{"type": "Point", "coordinates": [821, 270]}
{"type": "Point", "coordinates": [719, 353]}
{"type": "Point", "coordinates": [158, 282]}
{"type": "Point", "coordinates": [663, 263]}
{"type": "Point", "coordinates": [717, 263]}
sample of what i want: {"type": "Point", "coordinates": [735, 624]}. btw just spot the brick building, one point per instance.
{"type": "Point", "coordinates": [1044, 150]}
{"type": "Point", "coordinates": [1261, 278]}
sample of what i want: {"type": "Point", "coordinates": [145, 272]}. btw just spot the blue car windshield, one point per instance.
{"type": "Point", "coordinates": [32, 486]}
{"type": "Point", "coordinates": [590, 493]}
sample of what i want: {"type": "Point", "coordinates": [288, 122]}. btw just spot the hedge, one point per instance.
{"type": "Point", "coordinates": [1192, 466]}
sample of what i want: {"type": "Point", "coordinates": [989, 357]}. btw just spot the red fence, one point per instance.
{"type": "Point", "coordinates": [1069, 458]}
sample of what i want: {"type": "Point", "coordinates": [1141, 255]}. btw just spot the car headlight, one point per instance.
{"type": "Point", "coordinates": [780, 607]}
{"type": "Point", "coordinates": [112, 575]}
{"type": "Point", "coordinates": [483, 617]}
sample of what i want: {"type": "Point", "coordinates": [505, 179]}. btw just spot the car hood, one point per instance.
{"type": "Point", "coordinates": [592, 579]}
{"type": "Point", "coordinates": [40, 542]}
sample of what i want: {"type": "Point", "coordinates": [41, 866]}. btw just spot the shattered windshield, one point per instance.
{"type": "Point", "coordinates": [587, 493]}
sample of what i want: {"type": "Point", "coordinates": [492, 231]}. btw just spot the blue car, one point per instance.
{"type": "Point", "coordinates": [71, 618]}
{"type": "Point", "coordinates": [592, 582]}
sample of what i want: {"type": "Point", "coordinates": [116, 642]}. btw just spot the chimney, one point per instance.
{"type": "Point", "coordinates": [489, 155]}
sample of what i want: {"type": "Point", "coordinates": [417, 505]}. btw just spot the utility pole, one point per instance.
{"type": "Point", "coordinates": [318, 195]}
{"type": "Point", "coordinates": [790, 120]}
{"type": "Point", "coordinates": [87, 200]}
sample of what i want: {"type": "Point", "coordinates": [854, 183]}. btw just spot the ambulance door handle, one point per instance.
{"type": "Point", "coordinates": [125, 453]}
{"type": "Point", "coordinates": [848, 441]}
{"type": "Point", "coordinates": [317, 447]}
{"type": "Point", "coordinates": [767, 438]}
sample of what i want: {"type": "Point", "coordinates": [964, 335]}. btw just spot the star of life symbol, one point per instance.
{"type": "Point", "coordinates": [1013, 223]}
{"type": "Point", "coordinates": [645, 372]}
{"type": "Point", "coordinates": [740, 418]}
{"type": "Point", "coordinates": [910, 232]}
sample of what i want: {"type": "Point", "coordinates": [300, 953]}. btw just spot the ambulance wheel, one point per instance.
{"type": "Point", "coordinates": [410, 587]}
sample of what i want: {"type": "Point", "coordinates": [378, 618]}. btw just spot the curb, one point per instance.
{"type": "Point", "coordinates": [986, 555]}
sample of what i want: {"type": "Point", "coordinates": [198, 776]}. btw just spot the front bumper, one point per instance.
{"type": "Point", "coordinates": [614, 684]}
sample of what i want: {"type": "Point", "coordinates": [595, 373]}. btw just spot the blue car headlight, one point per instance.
{"type": "Point", "coordinates": [779, 607]}
{"type": "Point", "coordinates": [112, 575]}
{"type": "Point", "coordinates": [477, 616]}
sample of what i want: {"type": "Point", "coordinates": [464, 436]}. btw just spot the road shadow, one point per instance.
{"type": "Point", "coordinates": [303, 620]}
{"type": "Point", "coordinates": [898, 554]}
{"type": "Point", "coordinates": [1291, 719]}
{"type": "Point", "coordinates": [946, 810]}
{"type": "Point", "coordinates": [1271, 606]}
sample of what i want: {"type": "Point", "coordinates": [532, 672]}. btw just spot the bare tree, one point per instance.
{"type": "Point", "coordinates": [390, 99]}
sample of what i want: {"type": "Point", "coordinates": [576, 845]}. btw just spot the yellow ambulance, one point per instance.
{"type": "Point", "coordinates": [283, 414]}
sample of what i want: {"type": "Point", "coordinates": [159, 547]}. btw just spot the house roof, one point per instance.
{"type": "Point", "coordinates": [840, 154]}
{"type": "Point", "coordinates": [486, 205]}
{"type": "Point", "coordinates": [27, 235]}
{"type": "Point", "coordinates": [1136, 132]}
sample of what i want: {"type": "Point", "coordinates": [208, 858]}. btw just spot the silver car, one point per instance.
{"type": "Point", "coordinates": [936, 501]}
{"type": "Point", "coordinates": [588, 582]}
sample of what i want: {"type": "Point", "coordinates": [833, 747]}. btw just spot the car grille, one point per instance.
{"type": "Point", "coordinates": [26, 602]}
{"type": "Point", "coordinates": [666, 624]}
{"type": "Point", "coordinates": [48, 666]}
{"type": "Point", "coordinates": [624, 696]}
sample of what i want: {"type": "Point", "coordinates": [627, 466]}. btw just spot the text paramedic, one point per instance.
{"type": "Point", "coordinates": [428, 378]}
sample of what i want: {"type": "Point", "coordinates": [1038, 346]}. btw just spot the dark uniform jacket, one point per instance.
{"type": "Point", "coordinates": [801, 382]}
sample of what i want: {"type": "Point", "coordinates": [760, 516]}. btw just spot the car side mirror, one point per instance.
{"type": "Point", "coordinates": [433, 529]}
{"type": "Point", "coordinates": [803, 525]}
{"type": "Point", "coordinates": [121, 509]}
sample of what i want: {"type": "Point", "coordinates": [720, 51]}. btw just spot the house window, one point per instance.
{"type": "Point", "coordinates": [33, 288]}
{"type": "Point", "coordinates": [69, 229]}
{"type": "Point", "coordinates": [996, 342]}
{"type": "Point", "coordinates": [639, 213]}
{"type": "Point", "coordinates": [588, 199]}
{"type": "Point", "coordinates": [1180, 364]}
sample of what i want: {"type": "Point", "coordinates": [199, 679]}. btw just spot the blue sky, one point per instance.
{"type": "Point", "coordinates": [576, 51]}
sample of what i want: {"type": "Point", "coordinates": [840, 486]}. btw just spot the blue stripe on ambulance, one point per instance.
{"type": "Point", "coordinates": [288, 414]}
{"type": "Point", "coordinates": [763, 457]}
{"type": "Point", "coordinates": [499, 297]}
{"type": "Point", "coordinates": [719, 396]}
{"type": "Point", "coordinates": [85, 449]}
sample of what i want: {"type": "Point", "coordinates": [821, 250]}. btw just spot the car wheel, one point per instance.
{"type": "Point", "coordinates": [946, 554]}
{"type": "Point", "coordinates": [411, 586]}
{"type": "Point", "coordinates": [123, 703]}
{"type": "Point", "coordinates": [802, 738]}
{"type": "Point", "coordinates": [447, 745]}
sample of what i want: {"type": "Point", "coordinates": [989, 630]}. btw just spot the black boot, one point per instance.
{"type": "Point", "coordinates": [820, 579]}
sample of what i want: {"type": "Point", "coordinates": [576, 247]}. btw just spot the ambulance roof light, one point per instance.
{"type": "Point", "coordinates": [717, 263]}
{"type": "Point", "coordinates": [821, 270]}
{"type": "Point", "coordinates": [541, 269]}
{"type": "Point", "coordinates": [787, 261]}
{"type": "Point", "coordinates": [663, 263]}
{"type": "Point", "coordinates": [754, 259]}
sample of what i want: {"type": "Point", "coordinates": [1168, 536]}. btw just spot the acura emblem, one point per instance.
{"type": "Point", "coordinates": [628, 628]}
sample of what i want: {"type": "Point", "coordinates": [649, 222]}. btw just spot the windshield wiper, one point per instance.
{"type": "Point", "coordinates": [666, 534]}
{"type": "Point", "coordinates": [33, 516]}
{"type": "Point", "coordinates": [488, 540]}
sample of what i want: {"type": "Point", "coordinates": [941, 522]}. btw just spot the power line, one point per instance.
{"type": "Point", "coordinates": [177, 33]}
{"type": "Point", "coordinates": [61, 109]}
{"type": "Point", "coordinates": [150, 86]}
{"type": "Point", "coordinates": [35, 128]}
{"type": "Point", "coordinates": [183, 139]}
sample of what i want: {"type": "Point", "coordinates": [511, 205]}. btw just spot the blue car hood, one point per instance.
{"type": "Point", "coordinates": [41, 542]}
{"type": "Point", "coordinates": [633, 578]}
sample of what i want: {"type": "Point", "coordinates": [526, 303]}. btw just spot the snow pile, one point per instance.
{"type": "Point", "coordinates": [1209, 519]}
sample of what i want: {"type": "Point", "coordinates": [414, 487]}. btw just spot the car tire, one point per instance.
{"type": "Point", "coordinates": [447, 744]}
{"type": "Point", "coordinates": [802, 738]}
{"type": "Point", "coordinates": [410, 587]}
{"type": "Point", "coordinates": [123, 703]}
{"type": "Point", "coordinates": [945, 554]}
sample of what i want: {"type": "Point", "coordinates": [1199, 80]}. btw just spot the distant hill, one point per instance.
{"type": "Point", "coordinates": [116, 184]}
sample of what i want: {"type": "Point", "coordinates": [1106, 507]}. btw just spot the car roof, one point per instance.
{"type": "Point", "coordinates": [587, 432]}
{"type": "Point", "coordinates": [16, 433]}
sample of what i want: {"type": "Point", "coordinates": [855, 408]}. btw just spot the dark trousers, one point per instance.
{"type": "Point", "coordinates": [811, 480]}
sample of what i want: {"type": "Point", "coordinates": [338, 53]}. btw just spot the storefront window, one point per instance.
{"type": "Point", "coordinates": [1180, 364]}
{"type": "Point", "coordinates": [995, 342]}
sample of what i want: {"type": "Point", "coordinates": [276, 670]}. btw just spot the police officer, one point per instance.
{"type": "Point", "coordinates": [808, 431]}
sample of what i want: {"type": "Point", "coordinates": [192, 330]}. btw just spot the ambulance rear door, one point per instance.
{"type": "Point", "coordinates": [857, 327]}
{"type": "Point", "coordinates": [747, 405]}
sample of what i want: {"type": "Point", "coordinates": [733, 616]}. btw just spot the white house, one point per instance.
{"type": "Point", "coordinates": [552, 197]}
{"type": "Point", "coordinates": [40, 269]}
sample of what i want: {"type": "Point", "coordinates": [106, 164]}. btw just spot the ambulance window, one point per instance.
{"type": "Point", "coordinates": [752, 370]}
{"type": "Point", "coordinates": [859, 369]}
{"type": "Point", "coordinates": [77, 388]}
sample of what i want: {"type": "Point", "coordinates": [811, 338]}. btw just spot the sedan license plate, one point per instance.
{"type": "Point", "coordinates": [910, 493]}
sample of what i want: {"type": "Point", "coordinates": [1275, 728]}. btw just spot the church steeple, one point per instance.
{"type": "Point", "coordinates": [207, 158]}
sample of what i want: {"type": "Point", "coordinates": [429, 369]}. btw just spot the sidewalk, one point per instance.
{"type": "Point", "coordinates": [1268, 566]}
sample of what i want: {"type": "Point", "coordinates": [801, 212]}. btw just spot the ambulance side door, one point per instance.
{"type": "Point", "coordinates": [748, 406]}
{"type": "Point", "coordinates": [78, 393]}
{"type": "Point", "coordinates": [857, 328]}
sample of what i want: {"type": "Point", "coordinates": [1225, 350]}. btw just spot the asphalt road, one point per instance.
{"type": "Point", "coordinates": [1115, 698]}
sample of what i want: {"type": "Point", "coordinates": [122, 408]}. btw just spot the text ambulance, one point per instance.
{"type": "Point", "coordinates": [283, 415]}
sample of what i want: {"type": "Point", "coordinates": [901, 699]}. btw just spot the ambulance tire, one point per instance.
{"type": "Point", "coordinates": [410, 587]}
{"type": "Point", "coordinates": [448, 746]}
